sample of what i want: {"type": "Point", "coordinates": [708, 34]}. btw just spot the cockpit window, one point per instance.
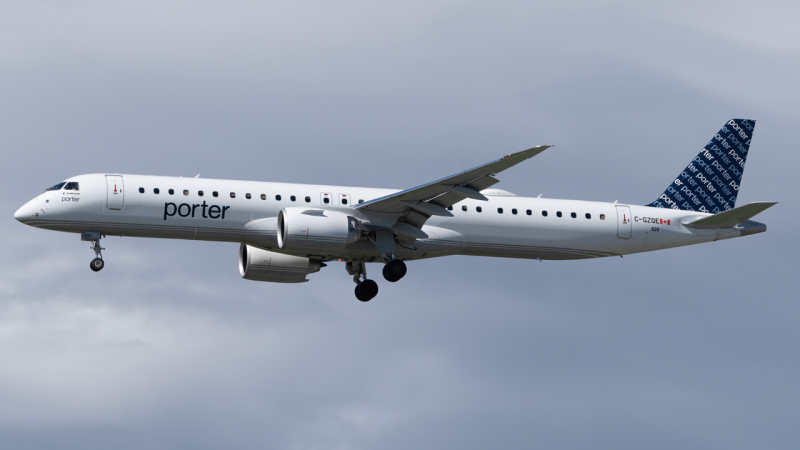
{"type": "Point", "coordinates": [56, 187]}
{"type": "Point", "coordinates": [71, 186]}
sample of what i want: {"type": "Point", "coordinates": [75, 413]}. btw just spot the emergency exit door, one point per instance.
{"type": "Point", "coordinates": [325, 198]}
{"type": "Point", "coordinates": [116, 198]}
{"type": "Point", "coordinates": [624, 222]}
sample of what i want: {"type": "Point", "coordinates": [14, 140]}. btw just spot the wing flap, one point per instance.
{"type": "Point", "coordinates": [483, 183]}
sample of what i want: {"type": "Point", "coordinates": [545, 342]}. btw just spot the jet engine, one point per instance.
{"type": "Point", "coordinates": [315, 231]}
{"type": "Point", "coordinates": [262, 265]}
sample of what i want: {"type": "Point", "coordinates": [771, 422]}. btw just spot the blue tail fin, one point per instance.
{"type": "Point", "coordinates": [711, 182]}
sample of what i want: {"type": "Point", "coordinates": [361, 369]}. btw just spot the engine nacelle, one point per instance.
{"type": "Point", "coordinates": [261, 265]}
{"type": "Point", "coordinates": [315, 231]}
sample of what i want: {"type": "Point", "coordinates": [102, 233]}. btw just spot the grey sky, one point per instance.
{"type": "Point", "coordinates": [168, 347]}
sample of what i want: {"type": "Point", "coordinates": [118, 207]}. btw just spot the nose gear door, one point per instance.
{"type": "Point", "coordinates": [624, 222]}
{"type": "Point", "coordinates": [114, 188]}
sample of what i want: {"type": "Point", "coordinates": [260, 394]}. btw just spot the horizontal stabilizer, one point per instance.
{"type": "Point", "coordinates": [730, 218]}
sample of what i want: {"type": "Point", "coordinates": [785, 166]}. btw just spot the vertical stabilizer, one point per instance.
{"type": "Point", "coordinates": [710, 183]}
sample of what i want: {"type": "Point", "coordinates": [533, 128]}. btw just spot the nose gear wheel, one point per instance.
{"type": "Point", "coordinates": [97, 264]}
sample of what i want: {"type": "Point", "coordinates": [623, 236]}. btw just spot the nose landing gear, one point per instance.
{"type": "Point", "coordinates": [97, 263]}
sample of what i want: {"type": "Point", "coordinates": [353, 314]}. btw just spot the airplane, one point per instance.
{"type": "Point", "coordinates": [288, 231]}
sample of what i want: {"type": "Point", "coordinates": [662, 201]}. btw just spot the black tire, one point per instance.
{"type": "Point", "coordinates": [395, 270]}
{"type": "Point", "coordinates": [388, 275]}
{"type": "Point", "coordinates": [97, 264]}
{"type": "Point", "coordinates": [359, 296]}
{"type": "Point", "coordinates": [368, 289]}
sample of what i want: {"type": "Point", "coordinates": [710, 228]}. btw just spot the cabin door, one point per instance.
{"type": "Point", "coordinates": [115, 196]}
{"type": "Point", "coordinates": [624, 222]}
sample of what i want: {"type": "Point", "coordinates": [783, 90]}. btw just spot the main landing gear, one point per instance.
{"type": "Point", "coordinates": [97, 263]}
{"type": "Point", "coordinates": [367, 289]}
{"type": "Point", "coordinates": [394, 270]}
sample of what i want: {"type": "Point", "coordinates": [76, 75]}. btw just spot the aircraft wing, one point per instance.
{"type": "Point", "coordinates": [417, 204]}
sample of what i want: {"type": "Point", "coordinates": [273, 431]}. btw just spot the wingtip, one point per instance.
{"type": "Point", "coordinates": [535, 150]}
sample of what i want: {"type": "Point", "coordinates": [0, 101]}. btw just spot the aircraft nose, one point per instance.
{"type": "Point", "coordinates": [24, 214]}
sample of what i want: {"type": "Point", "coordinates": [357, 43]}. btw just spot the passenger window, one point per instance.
{"type": "Point", "coordinates": [529, 212]}
{"type": "Point", "coordinates": [56, 187]}
{"type": "Point", "coordinates": [602, 217]}
{"type": "Point", "coordinates": [514, 211]}
{"type": "Point", "coordinates": [344, 201]}
{"type": "Point", "coordinates": [308, 199]}
{"type": "Point", "coordinates": [544, 213]}
{"type": "Point", "coordinates": [326, 200]}
{"type": "Point", "coordinates": [185, 192]}
{"type": "Point", "coordinates": [464, 207]}
{"type": "Point", "coordinates": [200, 193]}
{"type": "Point", "coordinates": [248, 196]}
{"type": "Point", "coordinates": [156, 191]}
{"type": "Point", "coordinates": [500, 210]}
{"type": "Point", "coordinates": [263, 196]}
{"type": "Point", "coordinates": [573, 215]}
{"type": "Point", "coordinates": [278, 197]}
{"type": "Point", "coordinates": [360, 201]}
{"type": "Point", "coordinates": [215, 194]}
{"type": "Point", "coordinates": [171, 192]}
{"type": "Point", "coordinates": [558, 213]}
{"type": "Point", "coordinates": [141, 190]}
{"type": "Point", "coordinates": [293, 198]}
{"type": "Point", "coordinates": [479, 209]}
{"type": "Point", "coordinates": [450, 208]}
{"type": "Point", "coordinates": [233, 194]}
{"type": "Point", "coordinates": [71, 186]}
{"type": "Point", "coordinates": [588, 216]}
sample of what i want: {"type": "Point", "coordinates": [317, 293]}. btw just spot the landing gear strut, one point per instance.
{"type": "Point", "coordinates": [366, 289]}
{"type": "Point", "coordinates": [97, 263]}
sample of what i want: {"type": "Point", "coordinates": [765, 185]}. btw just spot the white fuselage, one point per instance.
{"type": "Point", "coordinates": [241, 212]}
